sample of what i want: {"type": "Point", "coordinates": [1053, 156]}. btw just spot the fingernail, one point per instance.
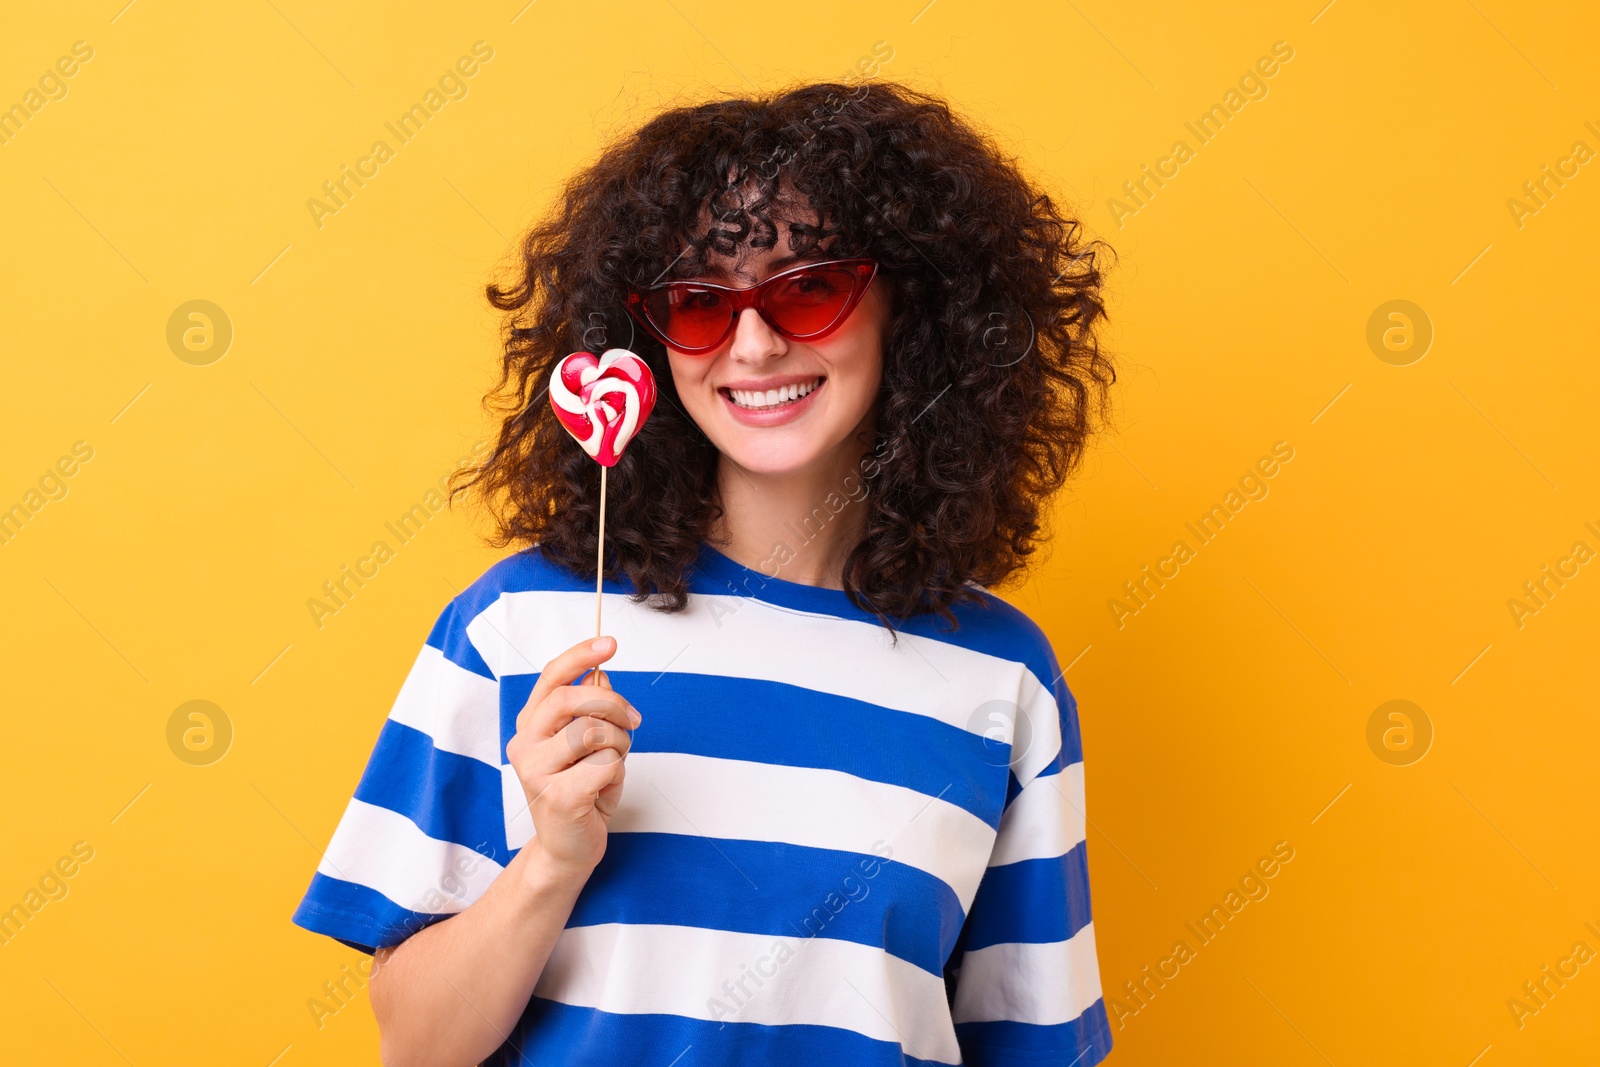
{"type": "Point", "coordinates": [599, 644]}
{"type": "Point", "coordinates": [635, 718]}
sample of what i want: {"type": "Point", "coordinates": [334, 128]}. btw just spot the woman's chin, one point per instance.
{"type": "Point", "coordinates": [770, 453]}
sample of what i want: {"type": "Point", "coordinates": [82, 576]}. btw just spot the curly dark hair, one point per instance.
{"type": "Point", "coordinates": [992, 375]}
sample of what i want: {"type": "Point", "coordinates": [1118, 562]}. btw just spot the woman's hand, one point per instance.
{"type": "Point", "coordinates": [568, 753]}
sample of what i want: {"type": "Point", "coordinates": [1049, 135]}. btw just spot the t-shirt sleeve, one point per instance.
{"type": "Point", "coordinates": [425, 833]}
{"type": "Point", "coordinates": [1026, 988]}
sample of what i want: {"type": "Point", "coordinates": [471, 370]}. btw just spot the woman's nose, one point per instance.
{"type": "Point", "coordinates": [754, 341]}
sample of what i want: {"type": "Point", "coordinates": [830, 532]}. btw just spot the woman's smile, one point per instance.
{"type": "Point", "coordinates": [771, 401]}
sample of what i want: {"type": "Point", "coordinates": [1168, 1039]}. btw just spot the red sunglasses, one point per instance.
{"type": "Point", "coordinates": [804, 303]}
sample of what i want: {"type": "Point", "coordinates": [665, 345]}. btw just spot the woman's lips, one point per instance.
{"type": "Point", "coordinates": [773, 416]}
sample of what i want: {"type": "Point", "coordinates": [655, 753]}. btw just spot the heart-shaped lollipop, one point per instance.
{"type": "Point", "coordinates": [603, 401]}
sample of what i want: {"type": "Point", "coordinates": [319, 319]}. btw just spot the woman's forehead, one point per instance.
{"type": "Point", "coordinates": [751, 237]}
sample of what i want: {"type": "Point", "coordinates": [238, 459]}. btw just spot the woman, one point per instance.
{"type": "Point", "coordinates": [826, 804]}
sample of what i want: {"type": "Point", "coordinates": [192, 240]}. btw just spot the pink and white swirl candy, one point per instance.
{"type": "Point", "coordinates": [603, 401]}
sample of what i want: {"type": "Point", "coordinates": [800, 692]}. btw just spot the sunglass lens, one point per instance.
{"type": "Point", "coordinates": [690, 317]}
{"type": "Point", "coordinates": [809, 301]}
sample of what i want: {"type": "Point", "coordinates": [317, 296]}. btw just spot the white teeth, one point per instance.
{"type": "Point", "coordinates": [746, 398]}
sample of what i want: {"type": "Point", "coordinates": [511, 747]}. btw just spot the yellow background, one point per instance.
{"type": "Point", "coordinates": [1224, 717]}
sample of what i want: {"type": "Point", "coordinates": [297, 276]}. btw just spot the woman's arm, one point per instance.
{"type": "Point", "coordinates": [450, 994]}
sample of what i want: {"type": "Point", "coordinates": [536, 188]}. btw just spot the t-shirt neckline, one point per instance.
{"type": "Point", "coordinates": [723, 574]}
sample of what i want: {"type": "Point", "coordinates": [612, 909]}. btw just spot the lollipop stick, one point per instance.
{"type": "Point", "coordinates": [600, 563]}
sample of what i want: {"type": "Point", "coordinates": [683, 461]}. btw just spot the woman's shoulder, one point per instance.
{"type": "Point", "coordinates": [522, 572]}
{"type": "Point", "coordinates": [994, 626]}
{"type": "Point", "coordinates": [527, 570]}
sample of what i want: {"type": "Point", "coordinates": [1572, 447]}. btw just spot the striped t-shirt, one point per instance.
{"type": "Point", "coordinates": [830, 848]}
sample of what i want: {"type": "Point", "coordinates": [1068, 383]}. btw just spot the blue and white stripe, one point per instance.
{"type": "Point", "coordinates": [813, 829]}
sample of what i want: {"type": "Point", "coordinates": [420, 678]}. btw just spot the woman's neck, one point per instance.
{"type": "Point", "coordinates": [799, 526]}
